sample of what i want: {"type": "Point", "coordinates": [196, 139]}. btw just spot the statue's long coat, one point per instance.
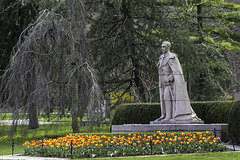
{"type": "Point", "coordinates": [182, 109]}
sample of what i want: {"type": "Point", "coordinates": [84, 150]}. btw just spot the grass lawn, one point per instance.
{"type": "Point", "coordinates": [6, 147]}
{"type": "Point", "coordinates": [197, 156]}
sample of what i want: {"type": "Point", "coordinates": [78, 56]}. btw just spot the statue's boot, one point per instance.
{"type": "Point", "coordinates": [161, 118]}
{"type": "Point", "coordinates": [168, 111]}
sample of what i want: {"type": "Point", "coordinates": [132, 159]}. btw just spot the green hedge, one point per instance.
{"type": "Point", "coordinates": [143, 113]}
{"type": "Point", "coordinates": [234, 122]}
{"type": "Point", "coordinates": [136, 113]}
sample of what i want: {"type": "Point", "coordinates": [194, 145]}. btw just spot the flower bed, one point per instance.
{"type": "Point", "coordinates": [82, 146]}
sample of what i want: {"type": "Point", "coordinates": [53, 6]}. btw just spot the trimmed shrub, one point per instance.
{"type": "Point", "coordinates": [143, 113]}
{"type": "Point", "coordinates": [136, 113]}
{"type": "Point", "coordinates": [234, 122]}
{"type": "Point", "coordinates": [219, 112]}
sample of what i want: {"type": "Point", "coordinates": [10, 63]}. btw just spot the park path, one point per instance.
{"type": "Point", "coordinates": [25, 122]}
{"type": "Point", "coordinates": [20, 157]}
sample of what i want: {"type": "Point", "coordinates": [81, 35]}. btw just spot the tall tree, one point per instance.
{"type": "Point", "coordinates": [125, 37]}
{"type": "Point", "coordinates": [50, 68]}
{"type": "Point", "coordinates": [121, 43]}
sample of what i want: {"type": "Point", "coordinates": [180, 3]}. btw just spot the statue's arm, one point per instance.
{"type": "Point", "coordinates": [170, 77]}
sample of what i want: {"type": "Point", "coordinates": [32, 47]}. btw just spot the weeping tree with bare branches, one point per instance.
{"type": "Point", "coordinates": [50, 69]}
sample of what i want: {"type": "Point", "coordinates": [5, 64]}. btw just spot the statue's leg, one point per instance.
{"type": "Point", "coordinates": [163, 108]}
{"type": "Point", "coordinates": [168, 103]}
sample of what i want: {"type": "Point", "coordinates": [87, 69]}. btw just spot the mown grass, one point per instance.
{"type": "Point", "coordinates": [197, 156]}
{"type": "Point", "coordinates": [49, 130]}
{"type": "Point", "coordinates": [6, 147]}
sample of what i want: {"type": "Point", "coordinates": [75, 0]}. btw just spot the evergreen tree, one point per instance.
{"type": "Point", "coordinates": [123, 48]}
{"type": "Point", "coordinates": [15, 15]}
{"type": "Point", "coordinates": [125, 37]}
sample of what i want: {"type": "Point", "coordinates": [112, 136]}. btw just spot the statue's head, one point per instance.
{"type": "Point", "coordinates": [166, 46]}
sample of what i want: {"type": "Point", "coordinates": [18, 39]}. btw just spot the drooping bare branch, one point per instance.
{"type": "Point", "coordinates": [49, 67]}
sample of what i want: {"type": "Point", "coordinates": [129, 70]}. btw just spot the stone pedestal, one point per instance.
{"type": "Point", "coordinates": [220, 129]}
{"type": "Point", "coordinates": [177, 122]}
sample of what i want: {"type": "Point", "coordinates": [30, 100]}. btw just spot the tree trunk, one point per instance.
{"type": "Point", "coordinates": [139, 86]}
{"type": "Point", "coordinates": [199, 18]}
{"type": "Point", "coordinates": [75, 126]}
{"type": "Point", "coordinates": [74, 111]}
{"type": "Point", "coordinates": [33, 117]}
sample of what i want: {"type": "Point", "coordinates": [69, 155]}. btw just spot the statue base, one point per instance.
{"type": "Point", "coordinates": [220, 129]}
{"type": "Point", "coordinates": [178, 122]}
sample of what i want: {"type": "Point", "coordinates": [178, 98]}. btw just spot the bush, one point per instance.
{"type": "Point", "coordinates": [136, 113]}
{"type": "Point", "coordinates": [219, 112]}
{"type": "Point", "coordinates": [143, 113]}
{"type": "Point", "coordinates": [234, 122]}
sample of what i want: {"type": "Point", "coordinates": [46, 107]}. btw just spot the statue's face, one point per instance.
{"type": "Point", "coordinates": [165, 48]}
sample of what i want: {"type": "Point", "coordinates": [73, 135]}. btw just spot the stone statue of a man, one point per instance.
{"type": "Point", "coordinates": [175, 104]}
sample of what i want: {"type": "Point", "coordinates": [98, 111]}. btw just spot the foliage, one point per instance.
{"type": "Point", "coordinates": [234, 123]}
{"type": "Point", "coordinates": [133, 144]}
{"type": "Point", "coordinates": [136, 113]}
{"type": "Point", "coordinates": [14, 17]}
{"type": "Point", "coordinates": [123, 53]}
{"type": "Point", "coordinates": [125, 39]}
{"type": "Point", "coordinates": [219, 112]}
{"type": "Point", "coordinates": [143, 113]}
{"type": "Point", "coordinates": [121, 97]}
